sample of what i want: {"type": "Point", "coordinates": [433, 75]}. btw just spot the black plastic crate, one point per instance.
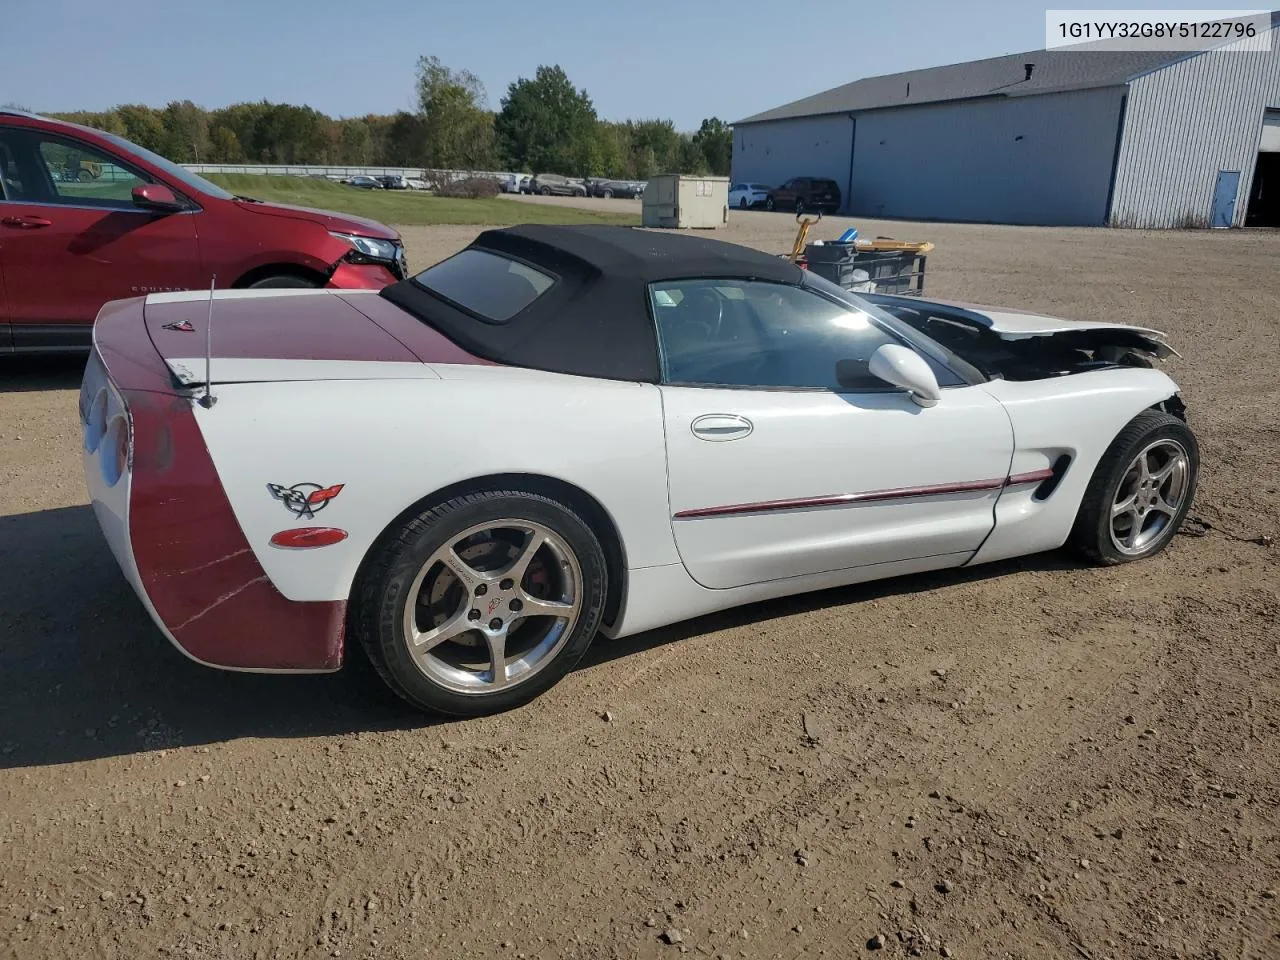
{"type": "Point", "coordinates": [891, 271]}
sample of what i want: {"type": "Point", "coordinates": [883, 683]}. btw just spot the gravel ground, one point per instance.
{"type": "Point", "coordinates": [1034, 759]}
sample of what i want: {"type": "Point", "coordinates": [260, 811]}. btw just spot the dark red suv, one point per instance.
{"type": "Point", "coordinates": [87, 217]}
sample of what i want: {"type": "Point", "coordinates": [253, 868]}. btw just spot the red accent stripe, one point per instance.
{"type": "Point", "coordinates": [870, 496]}
{"type": "Point", "coordinates": [1031, 476]}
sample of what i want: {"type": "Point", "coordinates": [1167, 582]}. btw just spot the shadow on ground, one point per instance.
{"type": "Point", "coordinates": [26, 374]}
{"type": "Point", "coordinates": [84, 673]}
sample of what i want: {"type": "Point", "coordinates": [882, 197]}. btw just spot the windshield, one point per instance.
{"type": "Point", "coordinates": [181, 174]}
{"type": "Point", "coordinates": [934, 351]}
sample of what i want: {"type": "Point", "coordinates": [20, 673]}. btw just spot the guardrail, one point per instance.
{"type": "Point", "coordinates": [338, 171]}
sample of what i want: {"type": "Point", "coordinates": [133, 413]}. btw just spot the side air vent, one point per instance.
{"type": "Point", "coordinates": [1059, 468]}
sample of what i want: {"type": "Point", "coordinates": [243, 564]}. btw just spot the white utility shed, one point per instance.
{"type": "Point", "coordinates": [682, 202]}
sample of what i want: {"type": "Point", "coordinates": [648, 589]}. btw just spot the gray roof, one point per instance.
{"type": "Point", "coordinates": [1055, 71]}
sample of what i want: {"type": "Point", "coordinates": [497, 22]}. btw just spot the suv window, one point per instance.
{"type": "Point", "coordinates": [747, 333]}
{"type": "Point", "coordinates": [10, 175]}
{"type": "Point", "coordinates": [83, 176]}
{"type": "Point", "coordinates": [491, 287]}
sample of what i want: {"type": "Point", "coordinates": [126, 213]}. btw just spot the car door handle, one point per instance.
{"type": "Point", "coordinates": [721, 426]}
{"type": "Point", "coordinates": [26, 223]}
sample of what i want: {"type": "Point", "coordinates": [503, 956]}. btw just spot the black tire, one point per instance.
{"type": "Point", "coordinates": [382, 592]}
{"type": "Point", "coordinates": [608, 194]}
{"type": "Point", "coordinates": [284, 280]}
{"type": "Point", "coordinates": [1091, 536]}
{"type": "Point", "coordinates": [742, 203]}
{"type": "Point", "coordinates": [545, 191]}
{"type": "Point", "coordinates": [768, 203]}
{"type": "Point", "coordinates": [799, 207]}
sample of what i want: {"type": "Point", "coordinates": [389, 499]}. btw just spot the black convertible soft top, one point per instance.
{"type": "Point", "coordinates": [594, 319]}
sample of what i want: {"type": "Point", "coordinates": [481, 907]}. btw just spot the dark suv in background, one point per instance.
{"type": "Point", "coordinates": [816, 194]}
{"type": "Point", "coordinates": [554, 185]}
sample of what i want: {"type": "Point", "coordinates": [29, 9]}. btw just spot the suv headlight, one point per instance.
{"type": "Point", "coordinates": [370, 247]}
{"type": "Point", "coordinates": [374, 250]}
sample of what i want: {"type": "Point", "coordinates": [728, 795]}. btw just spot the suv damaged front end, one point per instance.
{"type": "Point", "coordinates": [369, 262]}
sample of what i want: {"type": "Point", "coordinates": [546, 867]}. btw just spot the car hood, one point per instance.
{"type": "Point", "coordinates": [1012, 325]}
{"type": "Point", "coordinates": [340, 222]}
{"type": "Point", "coordinates": [1016, 324]}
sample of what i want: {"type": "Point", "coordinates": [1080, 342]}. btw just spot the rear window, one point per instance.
{"type": "Point", "coordinates": [493, 287]}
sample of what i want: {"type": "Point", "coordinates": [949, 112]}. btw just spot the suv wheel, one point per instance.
{"type": "Point", "coordinates": [283, 280]}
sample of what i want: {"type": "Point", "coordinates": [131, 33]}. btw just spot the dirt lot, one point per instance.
{"type": "Point", "coordinates": [1030, 760]}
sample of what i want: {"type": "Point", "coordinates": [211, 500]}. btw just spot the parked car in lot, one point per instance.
{"type": "Point", "coordinates": [747, 195]}
{"type": "Point", "coordinates": [627, 189]}
{"type": "Point", "coordinates": [814, 194]}
{"type": "Point", "coordinates": [552, 184]}
{"type": "Point", "coordinates": [516, 183]}
{"type": "Point", "coordinates": [365, 183]}
{"type": "Point", "coordinates": [67, 246]}
{"type": "Point", "coordinates": [392, 182]}
{"type": "Point", "coordinates": [738, 429]}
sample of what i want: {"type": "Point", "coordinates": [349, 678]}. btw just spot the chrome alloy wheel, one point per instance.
{"type": "Point", "coordinates": [493, 606]}
{"type": "Point", "coordinates": [1149, 497]}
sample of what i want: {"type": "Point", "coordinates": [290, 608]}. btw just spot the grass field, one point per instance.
{"type": "Point", "coordinates": [407, 207]}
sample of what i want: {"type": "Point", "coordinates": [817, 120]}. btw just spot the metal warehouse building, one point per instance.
{"type": "Point", "coordinates": [1053, 137]}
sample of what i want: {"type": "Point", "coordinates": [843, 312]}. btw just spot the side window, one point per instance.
{"type": "Point", "coordinates": [747, 333]}
{"type": "Point", "coordinates": [83, 176]}
{"type": "Point", "coordinates": [736, 186]}
{"type": "Point", "coordinates": [10, 176]}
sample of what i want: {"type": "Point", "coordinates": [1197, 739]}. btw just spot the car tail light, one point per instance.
{"type": "Point", "coordinates": [116, 450]}
{"type": "Point", "coordinates": [95, 421]}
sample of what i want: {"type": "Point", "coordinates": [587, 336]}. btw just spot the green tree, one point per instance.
{"type": "Point", "coordinates": [143, 125]}
{"type": "Point", "coordinates": [456, 130]}
{"type": "Point", "coordinates": [691, 158]}
{"type": "Point", "coordinates": [356, 141]}
{"type": "Point", "coordinates": [655, 145]}
{"type": "Point", "coordinates": [186, 132]}
{"type": "Point", "coordinates": [224, 146]}
{"type": "Point", "coordinates": [548, 126]}
{"type": "Point", "coordinates": [715, 141]}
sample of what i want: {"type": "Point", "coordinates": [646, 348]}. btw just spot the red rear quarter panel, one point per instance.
{"type": "Point", "coordinates": [195, 564]}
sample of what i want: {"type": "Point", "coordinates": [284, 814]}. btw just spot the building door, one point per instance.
{"type": "Point", "coordinates": [1264, 196]}
{"type": "Point", "coordinates": [1224, 198]}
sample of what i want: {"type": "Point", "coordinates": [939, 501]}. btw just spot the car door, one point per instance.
{"type": "Point", "coordinates": [8, 175]}
{"type": "Point", "coordinates": [71, 238]}
{"type": "Point", "coordinates": [777, 471]}
{"type": "Point", "coordinates": [6, 343]}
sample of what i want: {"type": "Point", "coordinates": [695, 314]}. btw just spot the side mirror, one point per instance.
{"type": "Point", "coordinates": [156, 196]}
{"type": "Point", "coordinates": [907, 369]}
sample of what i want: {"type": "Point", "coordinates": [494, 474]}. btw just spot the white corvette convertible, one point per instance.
{"type": "Point", "coordinates": [564, 431]}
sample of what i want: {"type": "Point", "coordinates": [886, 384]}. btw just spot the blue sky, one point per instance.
{"type": "Point", "coordinates": [659, 58]}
